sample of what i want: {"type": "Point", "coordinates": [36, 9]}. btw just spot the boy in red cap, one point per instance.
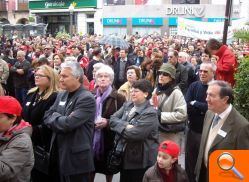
{"type": "Point", "coordinates": [16, 151]}
{"type": "Point", "coordinates": [166, 168]}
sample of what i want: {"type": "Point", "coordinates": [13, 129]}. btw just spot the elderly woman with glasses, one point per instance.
{"type": "Point", "coordinates": [108, 101]}
{"type": "Point", "coordinates": [137, 124]}
{"type": "Point", "coordinates": [171, 105]}
{"type": "Point", "coordinates": [38, 101]}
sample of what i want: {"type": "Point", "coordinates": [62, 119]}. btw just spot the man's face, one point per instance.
{"type": "Point", "coordinates": [20, 57]}
{"type": "Point", "coordinates": [205, 57]}
{"type": "Point", "coordinates": [215, 102]}
{"type": "Point", "coordinates": [122, 54]}
{"type": "Point", "coordinates": [181, 59]}
{"type": "Point", "coordinates": [172, 59]}
{"type": "Point", "coordinates": [205, 73]}
{"type": "Point", "coordinates": [67, 80]}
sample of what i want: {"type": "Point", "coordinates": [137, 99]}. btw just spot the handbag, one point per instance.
{"type": "Point", "coordinates": [115, 156]}
{"type": "Point", "coordinates": [41, 155]}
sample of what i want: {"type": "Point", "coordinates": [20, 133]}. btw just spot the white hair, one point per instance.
{"type": "Point", "coordinates": [105, 69]}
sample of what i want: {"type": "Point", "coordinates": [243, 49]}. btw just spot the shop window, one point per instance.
{"type": "Point", "coordinates": [90, 15]}
{"type": "Point", "coordinates": [172, 30]}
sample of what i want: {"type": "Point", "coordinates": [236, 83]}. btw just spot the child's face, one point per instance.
{"type": "Point", "coordinates": [165, 160]}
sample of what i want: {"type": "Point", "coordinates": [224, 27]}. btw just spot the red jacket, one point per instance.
{"type": "Point", "coordinates": [226, 65]}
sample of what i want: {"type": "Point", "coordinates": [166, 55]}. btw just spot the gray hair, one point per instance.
{"type": "Point", "coordinates": [105, 69]}
{"type": "Point", "coordinates": [212, 65]}
{"type": "Point", "coordinates": [77, 71]}
{"type": "Point", "coordinates": [21, 53]}
{"type": "Point", "coordinates": [70, 58]}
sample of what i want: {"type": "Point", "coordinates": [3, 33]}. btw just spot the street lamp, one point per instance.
{"type": "Point", "coordinates": [71, 10]}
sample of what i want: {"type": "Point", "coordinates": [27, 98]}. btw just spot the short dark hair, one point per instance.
{"type": "Point", "coordinates": [144, 86]}
{"type": "Point", "coordinates": [225, 89]}
{"type": "Point", "coordinates": [213, 44]}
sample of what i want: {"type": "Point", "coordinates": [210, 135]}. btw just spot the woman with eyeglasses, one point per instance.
{"type": "Point", "coordinates": [137, 123]}
{"type": "Point", "coordinates": [171, 105]}
{"type": "Point", "coordinates": [38, 101]}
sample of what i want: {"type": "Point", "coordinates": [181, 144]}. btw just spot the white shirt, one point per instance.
{"type": "Point", "coordinates": [214, 131]}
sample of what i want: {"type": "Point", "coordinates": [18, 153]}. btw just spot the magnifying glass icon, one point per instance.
{"type": "Point", "coordinates": [226, 162]}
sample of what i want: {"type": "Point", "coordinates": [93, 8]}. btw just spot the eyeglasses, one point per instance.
{"type": "Point", "coordinates": [40, 76]}
{"type": "Point", "coordinates": [203, 71]}
{"type": "Point", "coordinates": [163, 73]}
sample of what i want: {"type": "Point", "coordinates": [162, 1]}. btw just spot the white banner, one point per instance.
{"type": "Point", "coordinates": [206, 30]}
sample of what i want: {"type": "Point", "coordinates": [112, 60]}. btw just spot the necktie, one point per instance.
{"type": "Point", "coordinates": [215, 120]}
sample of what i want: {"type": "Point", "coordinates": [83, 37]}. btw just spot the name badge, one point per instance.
{"type": "Point", "coordinates": [222, 133]}
{"type": "Point", "coordinates": [28, 103]}
{"type": "Point", "coordinates": [62, 103]}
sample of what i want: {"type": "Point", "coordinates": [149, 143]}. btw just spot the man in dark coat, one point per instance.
{"type": "Point", "coordinates": [71, 119]}
{"type": "Point", "coordinates": [120, 68]}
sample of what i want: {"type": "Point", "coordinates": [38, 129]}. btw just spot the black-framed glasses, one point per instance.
{"type": "Point", "coordinates": [163, 73]}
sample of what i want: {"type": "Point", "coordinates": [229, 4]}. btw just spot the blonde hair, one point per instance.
{"type": "Point", "coordinates": [53, 82]}
{"type": "Point", "coordinates": [1, 90]}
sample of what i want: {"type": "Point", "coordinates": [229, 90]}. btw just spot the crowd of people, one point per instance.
{"type": "Point", "coordinates": [66, 104]}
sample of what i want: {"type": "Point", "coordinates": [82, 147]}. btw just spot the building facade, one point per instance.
{"type": "Point", "coordinates": [159, 19]}
{"type": "Point", "coordinates": [14, 12]}
{"type": "Point", "coordinates": [56, 14]}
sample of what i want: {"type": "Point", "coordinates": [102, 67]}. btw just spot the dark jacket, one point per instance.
{"type": "Point", "coordinates": [153, 174]}
{"type": "Point", "coordinates": [142, 139]}
{"type": "Point", "coordinates": [72, 122]}
{"type": "Point", "coordinates": [181, 77]}
{"type": "Point", "coordinates": [33, 112]}
{"type": "Point", "coordinates": [196, 112]}
{"type": "Point", "coordinates": [116, 70]}
{"type": "Point", "coordinates": [20, 81]}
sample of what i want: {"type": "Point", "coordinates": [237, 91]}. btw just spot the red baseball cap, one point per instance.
{"type": "Point", "coordinates": [169, 147]}
{"type": "Point", "coordinates": [10, 105]}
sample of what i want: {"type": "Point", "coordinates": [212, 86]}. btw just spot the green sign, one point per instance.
{"type": "Point", "coordinates": [61, 4]}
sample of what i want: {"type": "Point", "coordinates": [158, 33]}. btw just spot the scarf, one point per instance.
{"type": "Point", "coordinates": [98, 140]}
{"type": "Point", "coordinates": [166, 89]}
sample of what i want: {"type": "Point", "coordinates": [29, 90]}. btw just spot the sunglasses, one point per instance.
{"type": "Point", "coordinates": [163, 73]}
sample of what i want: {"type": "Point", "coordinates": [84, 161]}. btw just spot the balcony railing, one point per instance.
{"type": "Point", "coordinates": [3, 6]}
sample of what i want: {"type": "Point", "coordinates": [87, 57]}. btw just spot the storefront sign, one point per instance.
{"type": "Point", "coordinates": [206, 30]}
{"type": "Point", "coordinates": [114, 21]}
{"type": "Point", "coordinates": [197, 11]}
{"type": "Point", "coordinates": [147, 21]}
{"type": "Point", "coordinates": [60, 4]}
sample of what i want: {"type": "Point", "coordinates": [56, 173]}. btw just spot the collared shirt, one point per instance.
{"type": "Point", "coordinates": [214, 131]}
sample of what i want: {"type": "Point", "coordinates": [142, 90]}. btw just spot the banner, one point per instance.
{"type": "Point", "coordinates": [206, 30]}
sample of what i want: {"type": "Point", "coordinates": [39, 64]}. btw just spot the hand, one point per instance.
{"type": "Point", "coordinates": [20, 71]}
{"type": "Point", "coordinates": [192, 102]}
{"type": "Point", "coordinates": [129, 126]}
{"type": "Point", "coordinates": [101, 124]}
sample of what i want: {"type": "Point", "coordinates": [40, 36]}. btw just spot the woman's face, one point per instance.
{"type": "Point", "coordinates": [138, 96]}
{"type": "Point", "coordinates": [41, 79]}
{"type": "Point", "coordinates": [103, 80]}
{"type": "Point", "coordinates": [131, 75]}
{"type": "Point", "coordinates": [164, 160]}
{"type": "Point", "coordinates": [57, 60]}
{"type": "Point", "coordinates": [164, 78]}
